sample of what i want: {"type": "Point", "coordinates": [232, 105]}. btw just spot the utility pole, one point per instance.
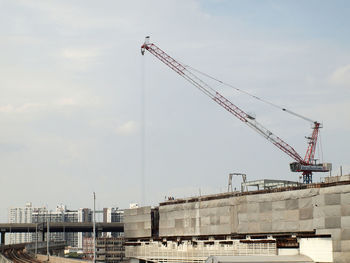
{"type": "Point", "coordinates": [48, 238]}
{"type": "Point", "coordinates": [36, 239]}
{"type": "Point", "coordinates": [94, 227]}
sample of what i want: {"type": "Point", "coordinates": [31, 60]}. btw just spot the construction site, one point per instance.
{"type": "Point", "coordinates": [288, 223]}
{"type": "Point", "coordinates": [278, 221]}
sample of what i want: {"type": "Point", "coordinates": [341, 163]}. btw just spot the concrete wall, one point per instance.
{"type": "Point", "coordinates": [137, 222]}
{"type": "Point", "coordinates": [196, 218]}
{"type": "Point", "coordinates": [60, 259]}
{"type": "Point", "coordinates": [325, 210]}
{"type": "Point", "coordinates": [290, 211]}
{"type": "Point", "coordinates": [332, 216]}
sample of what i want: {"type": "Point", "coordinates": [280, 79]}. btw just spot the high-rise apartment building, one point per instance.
{"type": "Point", "coordinates": [84, 215]}
{"type": "Point", "coordinates": [112, 214]}
{"type": "Point", "coordinates": [62, 214]}
{"type": "Point", "coordinates": [21, 215]}
{"type": "Point", "coordinates": [30, 214]}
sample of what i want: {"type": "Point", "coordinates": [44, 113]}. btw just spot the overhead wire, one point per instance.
{"type": "Point", "coordinates": [320, 145]}
{"type": "Point", "coordinates": [250, 94]}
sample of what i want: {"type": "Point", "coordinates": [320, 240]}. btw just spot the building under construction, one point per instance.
{"type": "Point", "coordinates": [299, 222]}
{"type": "Point", "coordinates": [308, 223]}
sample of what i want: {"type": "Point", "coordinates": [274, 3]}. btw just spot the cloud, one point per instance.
{"type": "Point", "coordinates": [80, 53]}
{"type": "Point", "coordinates": [80, 58]}
{"type": "Point", "coordinates": [127, 128]}
{"type": "Point", "coordinates": [7, 147]}
{"type": "Point", "coordinates": [67, 102]}
{"type": "Point", "coordinates": [341, 75]}
{"type": "Point", "coordinates": [24, 108]}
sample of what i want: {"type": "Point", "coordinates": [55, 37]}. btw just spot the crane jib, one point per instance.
{"type": "Point", "coordinates": [302, 165]}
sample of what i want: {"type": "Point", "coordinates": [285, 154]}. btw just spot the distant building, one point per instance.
{"type": "Point", "coordinates": [110, 249]}
{"type": "Point", "coordinates": [62, 214]}
{"type": "Point", "coordinates": [112, 214]}
{"type": "Point", "coordinates": [88, 247]}
{"type": "Point", "coordinates": [21, 215]}
{"type": "Point", "coordinates": [30, 214]}
{"type": "Point", "coordinates": [84, 215]}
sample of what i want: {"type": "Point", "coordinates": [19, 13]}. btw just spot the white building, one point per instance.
{"type": "Point", "coordinates": [112, 214]}
{"type": "Point", "coordinates": [30, 214]}
{"type": "Point", "coordinates": [61, 214]}
{"type": "Point", "coordinates": [84, 215]}
{"type": "Point", "coordinates": [21, 215]}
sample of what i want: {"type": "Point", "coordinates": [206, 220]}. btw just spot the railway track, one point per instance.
{"type": "Point", "coordinates": [17, 255]}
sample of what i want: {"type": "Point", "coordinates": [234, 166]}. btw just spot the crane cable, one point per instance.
{"type": "Point", "coordinates": [251, 95]}
{"type": "Point", "coordinates": [320, 148]}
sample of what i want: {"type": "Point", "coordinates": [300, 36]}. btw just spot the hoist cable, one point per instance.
{"type": "Point", "coordinates": [251, 95]}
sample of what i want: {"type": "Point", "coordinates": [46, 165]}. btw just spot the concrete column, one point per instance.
{"type": "Point", "coordinates": [3, 237]}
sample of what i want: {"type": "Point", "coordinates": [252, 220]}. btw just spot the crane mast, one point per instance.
{"type": "Point", "coordinates": [300, 165]}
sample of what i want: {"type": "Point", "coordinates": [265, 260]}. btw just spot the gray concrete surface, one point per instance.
{"type": "Point", "coordinates": [325, 210]}
{"type": "Point", "coordinates": [138, 222]}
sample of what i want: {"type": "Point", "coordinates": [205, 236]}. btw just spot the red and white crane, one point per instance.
{"type": "Point", "coordinates": [306, 165]}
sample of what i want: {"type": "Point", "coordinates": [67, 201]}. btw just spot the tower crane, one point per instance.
{"type": "Point", "coordinates": [306, 165]}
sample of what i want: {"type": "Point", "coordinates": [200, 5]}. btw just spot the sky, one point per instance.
{"type": "Point", "coordinates": [81, 110]}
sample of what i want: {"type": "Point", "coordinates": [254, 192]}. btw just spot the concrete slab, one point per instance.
{"type": "Point", "coordinates": [306, 225]}
{"type": "Point", "coordinates": [265, 217]}
{"type": "Point", "coordinates": [345, 222]}
{"type": "Point", "coordinates": [345, 199]}
{"type": "Point", "coordinates": [291, 226]}
{"type": "Point", "coordinates": [306, 213]}
{"type": "Point", "coordinates": [253, 217]}
{"type": "Point", "coordinates": [345, 210]}
{"type": "Point", "coordinates": [345, 234]}
{"type": "Point", "coordinates": [278, 215]}
{"type": "Point", "coordinates": [332, 199]}
{"type": "Point", "coordinates": [319, 223]}
{"type": "Point", "coordinates": [345, 245]}
{"type": "Point", "coordinates": [327, 211]}
{"type": "Point", "coordinates": [341, 257]}
{"type": "Point", "coordinates": [254, 228]}
{"type": "Point", "coordinates": [253, 208]}
{"type": "Point", "coordinates": [292, 215]}
{"type": "Point", "coordinates": [292, 204]}
{"type": "Point", "coordinates": [243, 218]}
{"type": "Point", "coordinates": [336, 245]}
{"type": "Point", "coordinates": [332, 222]}
{"type": "Point", "coordinates": [265, 207]}
{"type": "Point", "coordinates": [265, 227]}
{"type": "Point", "coordinates": [278, 205]}
{"type": "Point", "coordinates": [278, 226]}
{"type": "Point", "coordinates": [305, 203]}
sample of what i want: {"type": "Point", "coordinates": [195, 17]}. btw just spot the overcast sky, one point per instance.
{"type": "Point", "coordinates": [72, 79]}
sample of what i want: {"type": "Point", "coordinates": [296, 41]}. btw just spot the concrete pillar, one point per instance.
{"type": "Point", "coordinates": [3, 238]}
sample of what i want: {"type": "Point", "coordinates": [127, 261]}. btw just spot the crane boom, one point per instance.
{"type": "Point", "coordinates": [301, 165]}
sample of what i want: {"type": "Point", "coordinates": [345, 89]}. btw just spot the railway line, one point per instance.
{"type": "Point", "coordinates": [18, 255]}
